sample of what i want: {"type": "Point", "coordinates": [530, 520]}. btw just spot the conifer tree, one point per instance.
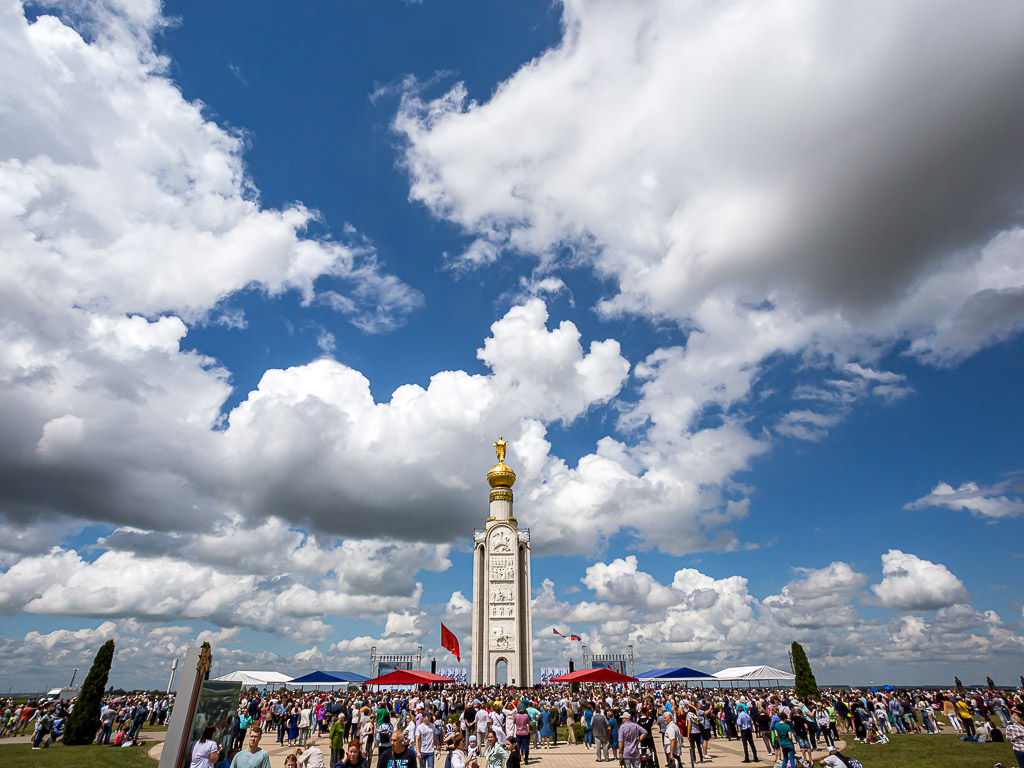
{"type": "Point", "coordinates": [84, 720]}
{"type": "Point", "coordinates": [806, 685]}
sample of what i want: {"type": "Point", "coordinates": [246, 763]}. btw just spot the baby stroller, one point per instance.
{"type": "Point", "coordinates": [647, 758]}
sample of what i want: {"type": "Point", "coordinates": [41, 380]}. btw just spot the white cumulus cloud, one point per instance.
{"type": "Point", "coordinates": [988, 503]}
{"type": "Point", "coordinates": [912, 583]}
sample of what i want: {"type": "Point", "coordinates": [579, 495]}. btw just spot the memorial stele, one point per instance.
{"type": "Point", "coordinates": [502, 628]}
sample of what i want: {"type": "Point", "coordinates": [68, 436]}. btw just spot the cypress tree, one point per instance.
{"type": "Point", "coordinates": [84, 720]}
{"type": "Point", "coordinates": [806, 685]}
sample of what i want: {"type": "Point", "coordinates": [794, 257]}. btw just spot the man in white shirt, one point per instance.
{"type": "Point", "coordinates": [425, 742]}
{"type": "Point", "coordinates": [483, 724]}
{"type": "Point", "coordinates": [833, 761]}
{"type": "Point", "coordinates": [672, 738]}
{"type": "Point", "coordinates": [312, 758]}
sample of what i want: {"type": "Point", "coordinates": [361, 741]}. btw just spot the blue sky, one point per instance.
{"type": "Point", "coordinates": [742, 285]}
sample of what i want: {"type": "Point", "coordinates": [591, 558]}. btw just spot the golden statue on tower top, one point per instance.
{"type": "Point", "coordinates": [501, 475]}
{"type": "Point", "coordinates": [500, 446]}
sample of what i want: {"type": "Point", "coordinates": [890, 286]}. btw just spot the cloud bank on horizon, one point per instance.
{"type": "Point", "coordinates": [829, 192]}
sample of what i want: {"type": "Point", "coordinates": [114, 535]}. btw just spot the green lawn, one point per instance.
{"type": "Point", "coordinates": [93, 756]}
{"type": "Point", "coordinates": [947, 751]}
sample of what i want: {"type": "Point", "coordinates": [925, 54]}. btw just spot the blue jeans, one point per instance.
{"type": "Point", "coordinates": [588, 737]}
{"type": "Point", "coordinates": [1020, 758]}
{"type": "Point", "coordinates": [104, 734]}
{"type": "Point", "coordinates": [523, 745]}
{"type": "Point", "coordinates": [427, 761]}
{"type": "Point", "coordinates": [788, 757]}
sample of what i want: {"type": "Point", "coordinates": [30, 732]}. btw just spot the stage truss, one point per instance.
{"type": "Point", "coordinates": [620, 662]}
{"type": "Point", "coordinates": [381, 665]}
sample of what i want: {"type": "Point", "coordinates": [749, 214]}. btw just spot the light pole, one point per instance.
{"type": "Point", "coordinates": [73, 674]}
{"type": "Point", "coordinates": [170, 680]}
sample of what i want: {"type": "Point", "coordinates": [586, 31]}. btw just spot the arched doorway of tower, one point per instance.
{"type": "Point", "coordinates": [501, 671]}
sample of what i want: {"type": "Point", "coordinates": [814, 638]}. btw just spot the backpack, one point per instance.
{"type": "Point", "coordinates": [384, 731]}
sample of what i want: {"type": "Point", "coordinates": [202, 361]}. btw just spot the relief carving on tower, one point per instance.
{"type": "Point", "coordinates": [501, 568]}
{"type": "Point", "coordinates": [502, 612]}
{"type": "Point", "coordinates": [501, 542]}
{"type": "Point", "coordinates": [502, 637]}
{"type": "Point", "coordinates": [501, 594]}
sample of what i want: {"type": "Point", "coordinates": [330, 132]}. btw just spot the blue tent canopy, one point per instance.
{"type": "Point", "coordinates": [320, 677]}
{"type": "Point", "coordinates": [673, 673]}
{"type": "Point", "coordinates": [654, 673]}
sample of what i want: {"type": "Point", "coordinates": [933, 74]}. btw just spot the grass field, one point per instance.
{"type": "Point", "coordinates": [947, 751]}
{"type": "Point", "coordinates": [93, 756]}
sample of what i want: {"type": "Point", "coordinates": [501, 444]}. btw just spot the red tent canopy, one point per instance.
{"type": "Point", "coordinates": [408, 677]}
{"type": "Point", "coordinates": [594, 676]}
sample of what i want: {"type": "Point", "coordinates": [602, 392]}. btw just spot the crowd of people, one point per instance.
{"type": "Point", "coordinates": [120, 720]}
{"type": "Point", "coordinates": [463, 727]}
{"type": "Point", "coordinates": [638, 726]}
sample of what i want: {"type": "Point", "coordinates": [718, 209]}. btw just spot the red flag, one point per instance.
{"type": "Point", "coordinates": [449, 641]}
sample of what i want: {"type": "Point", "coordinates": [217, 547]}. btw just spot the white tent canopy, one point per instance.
{"type": "Point", "coordinates": [753, 674]}
{"type": "Point", "coordinates": [256, 678]}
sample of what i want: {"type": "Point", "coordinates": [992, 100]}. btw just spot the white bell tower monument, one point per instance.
{"type": "Point", "coordinates": [502, 628]}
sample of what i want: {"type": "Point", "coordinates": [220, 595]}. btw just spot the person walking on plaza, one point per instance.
{"type": "Point", "coordinates": [600, 726]}
{"type": "Point", "coordinates": [645, 719]}
{"type": "Point", "coordinates": [784, 733]}
{"type": "Point", "coordinates": [425, 738]}
{"type": "Point", "coordinates": [495, 754]}
{"type": "Point", "coordinates": [252, 756]}
{"type": "Point", "coordinates": [244, 721]}
{"type": "Point", "coordinates": [672, 738]}
{"type": "Point", "coordinates": [107, 715]}
{"type": "Point", "coordinates": [745, 723]}
{"type": "Point", "coordinates": [546, 728]}
{"type": "Point", "coordinates": [630, 735]}
{"type": "Point", "coordinates": [337, 739]}
{"type": "Point", "coordinates": [964, 710]}
{"type": "Point", "coordinates": [522, 732]}
{"type": "Point", "coordinates": [397, 755]}
{"type": "Point", "coordinates": [613, 731]}
{"type": "Point", "coordinates": [694, 734]}
{"type": "Point", "coordinates": [821, 718]}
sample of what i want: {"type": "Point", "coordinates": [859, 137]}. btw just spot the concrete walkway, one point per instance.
{"type": "Point", "coordinates": [723, 754]}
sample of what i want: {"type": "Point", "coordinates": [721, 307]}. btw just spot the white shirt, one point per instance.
{"type": "Point", "coordinates": [834, 762]}
{"type": "Point", "coordinates": [672, 733]}
{"type": "Point", "coordinates": [313, 758]}
{"type": "Point", "coordinates": [425, 739]}
{"type": "Point", "coordinates": [482, 719]}
{"type": "Point", "coordinates": [201, 753]}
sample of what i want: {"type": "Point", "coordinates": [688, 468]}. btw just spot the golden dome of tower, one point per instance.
{"type": "Point", "coordinates": [501, 475]}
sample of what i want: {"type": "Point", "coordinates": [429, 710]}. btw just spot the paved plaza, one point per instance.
{"type": "Point", "coordinates": [723, 754]}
